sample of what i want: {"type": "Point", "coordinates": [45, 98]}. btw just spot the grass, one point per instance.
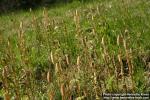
{"type": "Point", "coordinates": [76, 51]}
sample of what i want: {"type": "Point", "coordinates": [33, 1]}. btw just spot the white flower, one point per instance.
{"type": "Point", "coordinates": [56, 27]}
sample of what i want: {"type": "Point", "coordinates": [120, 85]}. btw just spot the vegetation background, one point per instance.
{"type": "Point", "coordinates": [73, 49]}
{"type": "Point", "coordinates": [6, 5]}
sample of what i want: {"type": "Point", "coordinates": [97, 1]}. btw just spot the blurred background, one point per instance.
{"type": "Point", "coordinates": [12, 5]}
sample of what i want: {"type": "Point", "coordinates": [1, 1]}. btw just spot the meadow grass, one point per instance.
{"type": "Point", "coordinates": [76, 50]}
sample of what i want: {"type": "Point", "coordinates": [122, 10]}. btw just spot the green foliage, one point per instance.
{"type": "Point", "coordinates": [26, 4]}
{"type": "Point", "coordinates": [74, 48]}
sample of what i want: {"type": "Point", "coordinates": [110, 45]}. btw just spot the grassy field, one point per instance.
{"type": "Point", "coordinates": [75, 51]}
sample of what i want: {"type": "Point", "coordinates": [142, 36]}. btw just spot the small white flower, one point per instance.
{"type": "Point", "coordinates": [109, 5]}
{"type": "Point", "coordinates": [56, 27]}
